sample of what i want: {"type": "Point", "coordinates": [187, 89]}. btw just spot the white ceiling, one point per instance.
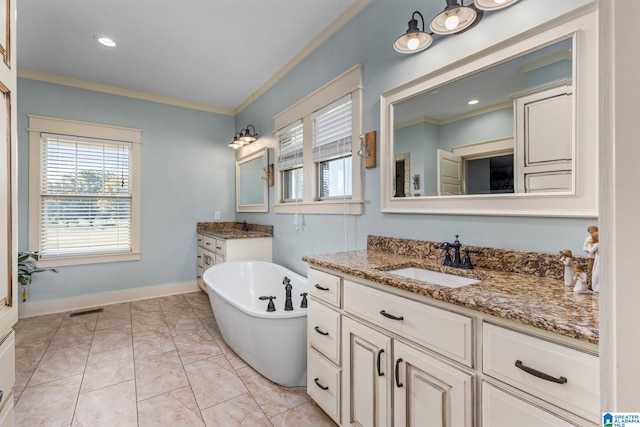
{"type": "Point", "coordinates": [212, 52]}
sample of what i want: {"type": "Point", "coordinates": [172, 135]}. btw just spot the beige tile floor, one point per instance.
{"type": "Point", "coordinates": [155, 362]}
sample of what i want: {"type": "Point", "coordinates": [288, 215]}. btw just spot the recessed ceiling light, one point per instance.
{"type": "Point", "coordinates": [105, 41]}
{"type": "Point", "coordinates": [473, 102]}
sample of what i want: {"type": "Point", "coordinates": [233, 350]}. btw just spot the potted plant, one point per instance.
{"type": "Point", "coordinates": [26, 267]}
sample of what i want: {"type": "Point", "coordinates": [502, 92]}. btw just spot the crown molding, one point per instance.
{"type": "Point", "coordinates": [114, 90]}
{"type": "Point", "coordinates": [332, 29]}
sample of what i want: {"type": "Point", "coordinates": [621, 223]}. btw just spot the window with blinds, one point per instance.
{"type": "Point", "coordinates": [85, 196]}
{"type": "Point", "coordinates": [332, 135]}
{"type": "Point", "coordinates": [290, 160]}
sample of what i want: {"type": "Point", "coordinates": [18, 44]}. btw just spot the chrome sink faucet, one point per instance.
{"type": "Point", "coordinates": [457, 261]}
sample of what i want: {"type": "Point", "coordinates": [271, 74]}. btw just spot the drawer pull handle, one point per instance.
{"type": "Point", "coordinates": [380, 374]}
{"type": "Point", "coordinates": [317, 329]}
{"type": "Point", "coordinates": [391, 316]}
{"type": "Point", "coordinates": [321, 288]}
{"type": "Point", "coordinates": [218, 247]}
{"type": "Point", "coordinates": [542, 375]}
{"type": "Point", "coordinates": [398, 383]}
{"type": "Point", "coordinates": [208, 243]}
{"type": "Point", "coordinates": [320, 385]}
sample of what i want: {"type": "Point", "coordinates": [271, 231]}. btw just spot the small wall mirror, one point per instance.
{"type": "Point", "coordinates": [252, 192]}
{"type": "Point", "coordinates": [500, 134]}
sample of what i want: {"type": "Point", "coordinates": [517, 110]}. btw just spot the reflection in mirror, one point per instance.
{"type": "Point", "coordinates": [506, 129]}
{"type": "Point", "coordinates": [251, 182]}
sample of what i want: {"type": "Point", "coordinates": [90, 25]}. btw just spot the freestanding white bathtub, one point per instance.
{"type": "Point", "coordinates": [273, 343]}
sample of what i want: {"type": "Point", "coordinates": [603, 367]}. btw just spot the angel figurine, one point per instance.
{"type": "Point", "coordinates": [580, 277]}
{"type": "Point", "coordinates": [567, 260]}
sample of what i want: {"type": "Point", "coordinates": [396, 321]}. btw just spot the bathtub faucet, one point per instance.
{"type": "Point", "coordinates": [271, 306]}
{"type": "Point", "coordinates": [288, 304]}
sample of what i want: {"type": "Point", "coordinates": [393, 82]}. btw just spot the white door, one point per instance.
{"type": "Point", "coordinates": [8, 201]}
{"type": "Point", "coordinates": [449, 173]}
{"type": "Point", "coordinates": [544, 141]}
{"type": "Point", "coordinates": [429, 392]}
{"type": "Point", "coordinates": [367, 376]}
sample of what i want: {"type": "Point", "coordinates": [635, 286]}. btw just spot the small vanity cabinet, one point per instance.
{"type": "Point", "coordinates": [378, 356]}
{"type": "Point", "coordinates": [214, 250]}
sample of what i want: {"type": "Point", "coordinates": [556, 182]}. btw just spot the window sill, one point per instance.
{"type": "Point", "coordinates": [63, 261]}
{"type": "Point", "coordinates": [337, 207]}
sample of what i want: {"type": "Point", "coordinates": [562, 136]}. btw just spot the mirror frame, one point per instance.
{"type": "Point", "coordinates": [582, 201]}
{"type": "Point", "coordinates": [258, 207]}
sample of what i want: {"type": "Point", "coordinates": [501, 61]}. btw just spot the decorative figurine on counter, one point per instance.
{"type": "Point", "coordinates": [595, 252]}
{"type": "Point", "coordinates": [588, 248]}
{"type": "Point", "coordinates": [580, 278]}
{"type": "Point", "coordinates": [567, 260]}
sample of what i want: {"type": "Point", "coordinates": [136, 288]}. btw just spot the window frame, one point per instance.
{"type": "Point", "coordinates": [39, 125]}
{"type": "Point", "coordinates": [349, 82]}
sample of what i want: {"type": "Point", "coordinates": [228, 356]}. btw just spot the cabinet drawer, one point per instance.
{"type": "Point", "coordinates": [209, 243]}
{"type": "Point", "coordinates": [7, 365]}
{"type": "Point", "coordinates": [500, 408]}
{"type": "Point", "coordinates": [219, 247]}
{"type": "Point", "coordinates": [200, 257]}
{"type": "Point", "coordinates": [324, 286]}
{"type": "Point", "coordinates": [323, 326]}
{"type": "Point", "coordinates": [323, 384]}
{"type": "Point", "coordinates": [572, 380]}
{"type": "Point", "coordinates": [200, 239]}
{"type": "Point", "coordinates": [448, 333]}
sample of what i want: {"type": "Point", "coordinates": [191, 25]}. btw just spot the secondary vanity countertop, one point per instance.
{"type": "Point", "coordinates": [543, 302]}
{"type": "Point", "coordinates": [232, 230]}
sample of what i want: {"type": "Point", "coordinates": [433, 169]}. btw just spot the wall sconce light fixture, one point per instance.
{"type": "Point", "coordinates": [454, 19]}
{"type": "Point", "coordinates": [244, 137]}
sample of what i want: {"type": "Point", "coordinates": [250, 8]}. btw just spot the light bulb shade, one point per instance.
{"type": "Point", "coordinates": [466, 16]}
{"type": "Point", "coordinates": [234, 145]}
{"type": "Point", "coordinates": [415, 39]}
{"type": "Point", "coordinates": [246, 136]}
{"type": "Point", "coordinates": [493, 4]}
{"type": "Point", "coordinates": [413, 42]}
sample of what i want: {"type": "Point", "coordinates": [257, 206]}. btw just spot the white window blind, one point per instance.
{"type": "Point", "coordinates": [290, 143]}
{"type": "Point", "coordinates": [85, 196]}
{"type": "Point", "coordinates": [332, 129]}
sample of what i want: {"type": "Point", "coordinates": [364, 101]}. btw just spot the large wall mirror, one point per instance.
{"type": "Point", "coordinates": [251, 182]}
{"type": "Point", "coordinates": [509, 132]}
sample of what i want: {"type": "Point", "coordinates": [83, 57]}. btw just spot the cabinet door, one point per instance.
{"type": "Point", "coordinates": [366, 375]}
{"type": "Point", "coordinates": [430, 392]}
{"type": "Point", "coordinates": [544, 141]}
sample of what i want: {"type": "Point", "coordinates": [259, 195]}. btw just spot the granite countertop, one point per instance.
{"type": "Point", "coordinates": [233, 230]}
{"type": "Point", "coordinates": [542, 302]}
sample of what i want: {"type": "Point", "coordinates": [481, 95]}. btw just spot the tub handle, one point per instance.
{"type": "Point", "coordinates": [321, 288]}
{"type": "Point", "coordinates": [317, 329]}
{"type": "Point", "coordinates": [398, 383]}
{"type": "Point", "coordinates": [391, 316]}
{"type": "Point", "coordinates": [380, 374]}
{"type": "Point", "coordinates": [542, 375]}
{"type": "Point", "coordinates": [320, 385]}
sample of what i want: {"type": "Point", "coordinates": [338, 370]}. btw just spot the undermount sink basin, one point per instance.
{"type": "Point", "coordinates": [437, 278]}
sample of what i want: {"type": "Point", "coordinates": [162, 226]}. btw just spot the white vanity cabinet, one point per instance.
{"type": "Point", "coordinates": [213, 250]}
{"type": "Point", "coordinates": [324, 364]}
{"type": "Point", "coordinates": [384, 360]}
{"type": "Point", "coordinates": [379, 357]}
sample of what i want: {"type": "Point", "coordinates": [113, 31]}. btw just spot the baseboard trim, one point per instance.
{"type": "Point", "coordinates": [39, 308]}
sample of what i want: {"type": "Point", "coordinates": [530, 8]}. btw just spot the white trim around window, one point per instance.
{"type": "Point", "coordinates": [349, 83]}
{"type": "Point", "coordinates": [44, 127]}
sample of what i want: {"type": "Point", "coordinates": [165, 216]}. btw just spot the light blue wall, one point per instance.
{"type": "Point", "coordinates": [187, 172]}
{"type": "Point", "coordinates": [367, 40]}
